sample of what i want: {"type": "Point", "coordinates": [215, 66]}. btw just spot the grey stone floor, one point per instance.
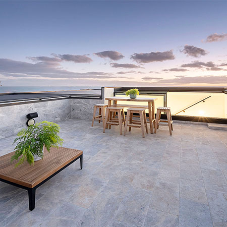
{"type": "Point", "coordinates": [129, 181]}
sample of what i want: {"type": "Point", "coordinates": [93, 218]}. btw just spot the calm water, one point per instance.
{"type": "Point", "coordinates": [12, 89]}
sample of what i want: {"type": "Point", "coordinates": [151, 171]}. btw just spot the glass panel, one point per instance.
{"type": "Point", "coordinates": [213, 106]}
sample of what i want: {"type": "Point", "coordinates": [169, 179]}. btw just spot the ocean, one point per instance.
{"type": "Point", "coordinates": [15, 89]}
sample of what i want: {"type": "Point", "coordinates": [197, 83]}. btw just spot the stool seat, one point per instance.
{"type": "Point", "coordinates": [136, 109]}
{"type": "Point", "coordinates": [169, 121]}
{"type": "Point", "coordinates": [163, 108]}
{"type": "Point", "coordinates": [105, 105]}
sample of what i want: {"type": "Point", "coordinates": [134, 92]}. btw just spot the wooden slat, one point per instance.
{"type": "Point", "coordinates": [30, 176]}
{"type": "Point", "coordinates": [134, 125]}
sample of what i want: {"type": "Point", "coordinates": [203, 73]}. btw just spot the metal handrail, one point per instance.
{"type": "Point", "coordinates": [202, 100]}
{"type": "Point", "coordinates": [31, 97]}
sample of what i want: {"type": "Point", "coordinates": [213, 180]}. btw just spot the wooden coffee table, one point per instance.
{"type": "Point", "coordinates": [30, 177]}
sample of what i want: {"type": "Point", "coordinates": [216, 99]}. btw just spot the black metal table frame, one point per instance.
{"type": "Point", "coordinates": [31, 191]}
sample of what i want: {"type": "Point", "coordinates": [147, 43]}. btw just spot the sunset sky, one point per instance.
{"type": "Point", "coordinates": [113, 43]}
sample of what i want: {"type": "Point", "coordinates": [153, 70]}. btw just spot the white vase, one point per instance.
{"type": "Point", "coordinates": [36, 157]}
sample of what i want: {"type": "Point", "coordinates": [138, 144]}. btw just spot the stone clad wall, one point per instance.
{"type": "Point", "coordinates": [13, 117]}
{"type": "Point", "coordinates": [83, 108]}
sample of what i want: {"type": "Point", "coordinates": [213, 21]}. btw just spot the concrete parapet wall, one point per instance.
{"type": "Point", "coordinates": [83, 108]}
{"type": "Point", "coordinates": [13, 117]}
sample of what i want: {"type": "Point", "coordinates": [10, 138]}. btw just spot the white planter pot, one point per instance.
{"type": "Point", "coordinates": [36, 157]}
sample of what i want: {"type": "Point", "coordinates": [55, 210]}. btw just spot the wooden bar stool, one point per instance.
{"type": "Point", "coordinates": [141, 123]}
{"type": "Point", "coordinates": [169, 118]}
{"type": "Point", "coordinates": [152, 127]}
{"type": "Point", "coordinates": [101, 116]}
{"type": "Point", "coordinates": [113, 119]}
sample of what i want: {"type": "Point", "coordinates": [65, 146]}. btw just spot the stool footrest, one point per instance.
{"type": "Point", "coordinates": [112, 123]}
{"type": "Point", "coordinates": [134, 125]}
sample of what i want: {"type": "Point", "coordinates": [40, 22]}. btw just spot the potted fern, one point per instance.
{"type": "Point", "coordinates": [31, 141]}
{"type": "Point", "coordinates": [133, 93]}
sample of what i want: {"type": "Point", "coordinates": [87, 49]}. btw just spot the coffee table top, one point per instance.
{"type": "Point", "coordinates": [31, 175]}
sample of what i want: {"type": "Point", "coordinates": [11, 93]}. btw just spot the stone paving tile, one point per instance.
{"type": "Point", "coordinates": [8, 191]}
{"type": "Point", "coordinates": [133, 209]}
{"type": "Point", "coordinates": [107, 203]}
{"type": "Point", "coordinates": [190, 172]}
{"type": "Point", "coordinates": [165, 197]}
{"type": "Point", "coordinates": [128, 180]}
{"type": "Point", "coordinates": [209, 161]}
{"type": "Point", "coordinates": [59, 222]}
{"type": "Point", "coordinates": [194, 214]}
{"type": "Point", "coordinates": [218, 207]}
{"type": "Point", "coordinates": [189, 157]}
{"type": "Point", "coordinates": [169, 175]}
{"type": "Point", "coordinates": [87, 192]}
{"type": "Point", "coordinates": [156, 218]}
{"type": "Point", "coordinates": [68, 210]}
{"type": "Point", "coordinates": [193, 190]}
{"type": "Point", "coordinates": [214, 180]}
{"type": "Point", "coordinates": [13, 208]}
{"type": "Point", "coordinates": [144, 181]}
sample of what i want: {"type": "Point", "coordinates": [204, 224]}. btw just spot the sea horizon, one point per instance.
{"type": "Point", "coordinates": [15, 89]}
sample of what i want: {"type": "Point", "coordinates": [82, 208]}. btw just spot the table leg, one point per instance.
{"type": "Point", "coordinates": [109, 105]}
{"type": "Point", "coordinates": [81, 161]}
{"type": "Point", "coordinates": [150, 117]}
{"type": "Point", "coordinates": [103, 116]}
{"type": "Point", "coordinates": [120, 121]}
{"type": "Point", "coordinates": [153, 109]}
{"type": "Point", "coordinates": [31, 195]}
{"type": "Point", "coordinates": [114, 104]}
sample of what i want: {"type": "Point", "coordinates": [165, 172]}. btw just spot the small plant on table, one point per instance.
{"type": "Point", "coordinates": [133, 93]}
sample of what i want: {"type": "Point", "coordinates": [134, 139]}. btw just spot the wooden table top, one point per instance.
{"type": "Point", "coordinates": [31, 175]}
{"type": "Point", "coordinates": [138, 99]}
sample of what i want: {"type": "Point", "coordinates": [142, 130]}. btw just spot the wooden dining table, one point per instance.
{"type": "Point", "coordinates": [113, 101]}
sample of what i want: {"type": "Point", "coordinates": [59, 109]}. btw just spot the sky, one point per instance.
{"type": "Point", "coordinates": [113, 43]}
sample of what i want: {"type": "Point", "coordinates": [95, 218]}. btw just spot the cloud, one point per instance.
{"type": "Point", "coordinates": [44, 59]}
{"type": "Point", "coordinates": [153, 56]}
{"type": "Point", "coordinates": [209, 66]}
{"type": "Point", "coordinates": [74, 58]}
{"type": "Point", "coordinates": [193, 51]}
{"type": "Point", "coordinates": [127, 66]}
{"type": "Point", "coordinates": [113, 55]}
{"type": "Point", "coordinates": [196, 80]}
{"type": "Point", "coordinates": [216, 69]}
{"type": "Point", "coordinates": [175, 70]}
{"type": "Point", "coordinates": [151, 78]}
{"type": "Point", "coordinates": [215, 38]}
{"type": "Point", "coordinates": [19, 69]}
{"type": "Point", "coordinates": [61, 57]}
{"type": "Point", "coordinates": [198, 64]}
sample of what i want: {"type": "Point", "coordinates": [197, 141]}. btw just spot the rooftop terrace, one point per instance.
{"type": "Point", "coordinates": [160, 180]}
